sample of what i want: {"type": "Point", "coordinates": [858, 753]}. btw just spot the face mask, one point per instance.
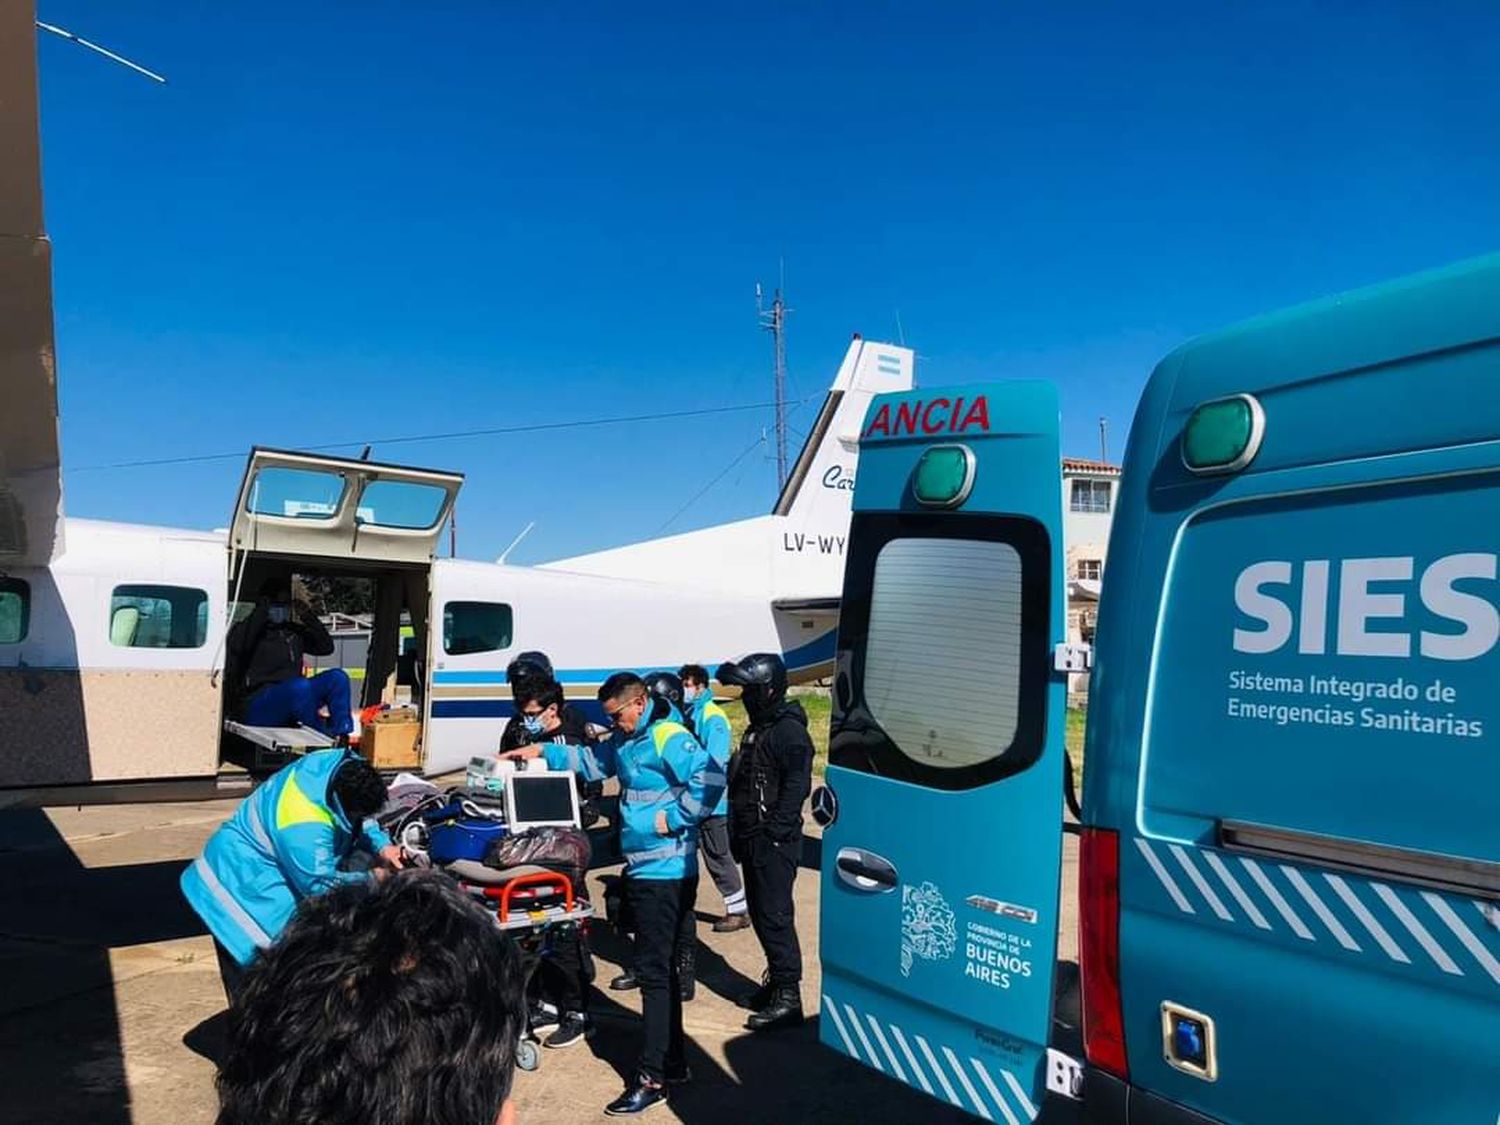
{"type": "Point", "coordinates": [690, 694]}
{"type": "Point", "coordinates": [279, 614]}
{"type": "Point", "coordinates": [532, 723]}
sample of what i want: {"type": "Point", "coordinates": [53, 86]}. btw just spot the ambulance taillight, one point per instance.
{"type": "Point", "coordinates": [1099, 950]}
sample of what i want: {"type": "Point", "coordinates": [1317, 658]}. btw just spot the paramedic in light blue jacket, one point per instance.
{"type": "Point", "coordinates": [668, 785]}
{"type": "Point", "coordinates": [285, 843]}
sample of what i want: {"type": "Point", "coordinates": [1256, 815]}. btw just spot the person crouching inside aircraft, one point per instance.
{"type": "Point", "coordinates": [668, 784]}
{"type": "Point", "coordinates": [710, 726]}
{"type": "Point", "coordinates": [324, 1030]}
{"type": "Point", "coordinates": [285, 843]}
{"type": "Point", "coordinates": [266, 651]}
{"type": "Point", "coordinates": [769, 778]}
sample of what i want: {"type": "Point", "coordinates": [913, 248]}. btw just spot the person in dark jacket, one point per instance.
{"type": "Point", "coordinates": [266, 651]}
{"type": "Point", "coordinates": [531, 672]}
{"type": "Point", "coordinates": [769, 779]}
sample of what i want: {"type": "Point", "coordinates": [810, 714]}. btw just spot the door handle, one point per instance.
{"type": "Point", "coordinates": [865, 871]}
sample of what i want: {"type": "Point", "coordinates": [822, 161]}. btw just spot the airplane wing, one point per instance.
{"type": "Point", "coordinates": [30, 463]}
{"type": "Point", "coordinates": [806, 605]}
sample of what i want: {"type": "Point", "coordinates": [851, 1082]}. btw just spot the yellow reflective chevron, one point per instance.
{"type": "Point", "coordinates": [294, 807]}
{"type": "Point", "coordinates": [664, 730]}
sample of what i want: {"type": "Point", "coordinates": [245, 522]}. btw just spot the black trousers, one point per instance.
{"type": "Point", "coordinates": [563, 976]}
{"type": "Point", "coordinates": [231, 972]}
{"type": "Point", "coordinates": [658, 908]}
{"type": "Point", "coordinates": [770, 871]}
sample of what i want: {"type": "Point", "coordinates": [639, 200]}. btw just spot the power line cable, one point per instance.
{"type": "Point", "coordinates": [729, 468]}
{"type": "Point", "coordinates": [407, 439]}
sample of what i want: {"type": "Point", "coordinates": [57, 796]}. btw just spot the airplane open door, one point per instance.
{"type": "Point", "coordinates": [331, 508]}
{"type": "Point", "coordinates": [943, 800]}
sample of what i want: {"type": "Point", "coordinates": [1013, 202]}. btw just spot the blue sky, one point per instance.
{"type": "Point", "coordinates": [344, 222]}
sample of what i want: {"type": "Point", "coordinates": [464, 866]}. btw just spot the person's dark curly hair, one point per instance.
{"type": "Point", "coordinates": [359, 788]}
{"type": "Point", "coordinates": [398, 1003]}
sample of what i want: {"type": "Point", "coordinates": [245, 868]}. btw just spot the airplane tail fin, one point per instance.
{"type": "Point", "coordinates": [815, 506]}
{"type": "Point", "coordinates": [822, 478]}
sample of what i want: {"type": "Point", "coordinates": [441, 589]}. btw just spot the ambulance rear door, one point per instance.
{"type": "Point", "coordinates": [943, 802]}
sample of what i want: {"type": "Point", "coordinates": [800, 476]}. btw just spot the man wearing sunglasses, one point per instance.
{"type": "Point", "coordinates": [668, 785]}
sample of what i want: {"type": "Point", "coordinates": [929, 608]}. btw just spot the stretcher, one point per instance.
{"type": "Point", "coordinates": [530, 904]}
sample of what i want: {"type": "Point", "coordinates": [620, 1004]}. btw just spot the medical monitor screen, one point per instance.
{"type": "Point", "coordinates": [543, 799]}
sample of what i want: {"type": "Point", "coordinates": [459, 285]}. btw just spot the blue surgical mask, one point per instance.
{"type": "Point", "coordinates": [690, 694]}
{"type": "Point", "coordinates": [532, 723]}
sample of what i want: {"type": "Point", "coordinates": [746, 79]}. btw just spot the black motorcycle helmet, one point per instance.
{"type": "Point", "coordinates": [761, 678]}
{"type": "Point", "coordinates": [666, 685]}
{"type": "Point", "coordinates": [529, 665]}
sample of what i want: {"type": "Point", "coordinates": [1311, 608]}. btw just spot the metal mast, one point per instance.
{"type": "Point", "coordinates": [773, 320]}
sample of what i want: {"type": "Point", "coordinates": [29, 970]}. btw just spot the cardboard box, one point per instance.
{"type": "Point", "coordinates": [393, 741]}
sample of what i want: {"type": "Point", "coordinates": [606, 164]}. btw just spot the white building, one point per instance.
{"type": "Point", "coordinates": [1089, 493]}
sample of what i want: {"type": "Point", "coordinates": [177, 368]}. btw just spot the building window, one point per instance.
{"type": "Point", "coordinates": [470, 627]}
{"type": "Point", "coordinates": [158, 617]}
{"type": "Point", "coordinates": [1088, 570]}
{"type": "Point", "coordinates": [15, 610]}
{"type": "Point", "coordinates": [1090, 496]}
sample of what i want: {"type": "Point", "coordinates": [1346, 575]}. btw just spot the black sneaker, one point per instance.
{"type": "Point", "coordinates": [643, 1094]}
{"type": "Point", "coordinates": [542, 1018]}
{"type": "Point", "coordinates": [624, 982]}
{"type": "Point", "coordinates": [574, 1029]}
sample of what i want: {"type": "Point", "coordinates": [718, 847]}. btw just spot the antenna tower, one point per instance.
{"type": "Point", "coordinates": [773, 320]}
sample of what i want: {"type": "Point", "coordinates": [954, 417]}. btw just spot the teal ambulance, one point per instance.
{"type": "Point", "coordinates": [1289, 879]}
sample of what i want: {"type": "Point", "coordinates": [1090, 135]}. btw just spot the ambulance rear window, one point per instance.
{"type": "Point", "coordinates": [942, 661]}
{"type": "Point", "coordinates": [942, 670]}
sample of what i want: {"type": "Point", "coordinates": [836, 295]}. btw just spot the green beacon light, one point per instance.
{"type": "Point", "coordinates": [1224, 435]}
{"type": "Point", "coordinates": [944, 476]}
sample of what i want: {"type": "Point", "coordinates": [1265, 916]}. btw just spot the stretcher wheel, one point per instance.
{"type": "Point", "coordinates": [528, 1057]}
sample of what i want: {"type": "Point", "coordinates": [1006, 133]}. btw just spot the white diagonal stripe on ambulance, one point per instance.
{"type": "Point", "coordinates": [1247, 904]}
{"type": "Point", "coordinates": [1214, 901]}
{"type": "Point", "coordinates": [864, 1040]}
{"type": "Point", "coordinates": [1367, 920]}
{"type": "Point", "coordinates": [989, 1084]}
{"type": "Point", "coordinates": [1320, 908]}
{"type": "Point", "coordinates": [911, 1059]}
{"type": "Point", "coordinates": [968, 1086]}
{"type": "Point", "coordinates": [1284, 908]}
{"type": "Point", "coordinates": [1417, 930]}
{"type": "Point", "coordinates": [1020, 1094]}
{"type": "Point", "coordinates": [1164, 877]}
{"type": "Point", "coordinates": [838, 1025]}
{"type": "Point", "coordinates": [890, 1056]}
{"type": "Point", "coordinates": [1464, 934]}
{"type": "Point", "coordinates": [937, 1069]}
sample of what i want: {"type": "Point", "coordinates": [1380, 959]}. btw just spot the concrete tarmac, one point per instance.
{"type": "Point", "coordinates": [111, 1010]}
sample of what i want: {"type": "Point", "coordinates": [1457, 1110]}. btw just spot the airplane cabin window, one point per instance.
{"type": "Point", "coordinates": [470, 627]}
{"type": "Point", "coordinates": [15, 610]}
{"type": "Point", "coordinates": [148, 616]}
{"type": "Point", "coordinates": [942, 671]}
{"type": "Point", "coordinates": [303, 494]}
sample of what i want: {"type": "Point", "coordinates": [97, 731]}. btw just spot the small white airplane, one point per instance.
{"type": "Point", "coordinates": [112, 635]}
